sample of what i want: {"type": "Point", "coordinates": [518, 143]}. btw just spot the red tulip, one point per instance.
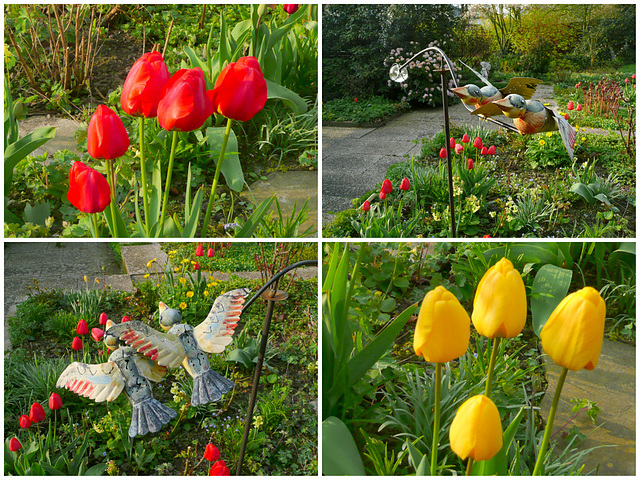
{"type": "Point", "coordinates": [103, 319]}
{"type": "Point", "coordinates": [106, 138]}
{"type": "Point", "coordinates": [633, 76]}
{"type": "Point", "coordinates": [443, 153]}
{"type": "Point", "coordinates": [76, 344]}
{"type": "Point", "coordinates": [366, 206]}
{"type": "Point", "coordinates": [477, 143]}
{"type": "Point", "coordinates": [355, 99]}
{"type": "Point", "coordinates": [125, 319]}
{"type": "Point", "coordinates": [578, 84]}
{"type": "Point", "coordinates": [484, 151]}
{"type": "Point", "coordinates": [186, 103]}
{"type": "Point", "coordinates": [196, 266]}
{"type": "Point", "coordinates": [37, 412]}
{"type": "Point", "coordinates": [211, 453]}
{"type": "Point", "coordinates": [24, 421]}
{"type": "Point", "coordinates": [219, 469]}
{"type": "Point", "coordinates": [89, 191]}
{"type": "Point", "coordinates": [199, 251]}
{"type": "Point", "coordinates": [492, 150]}
{"type": "Point", "coordinates": [404, 184]}
{"type": "Point", "coordinates": [487, 236]}
{"type": "Point", "coordinates": [452, 142]}
{"type": "Point", "coordinates": [82, 328]}
{"type": "Point", "coordinates": [143, 87]}
{"type": "Point", "coordinates": [465, 138]}
{"type": "Point", "coordinates": [55, 402]}
{"type": "Point", "coordinates": [579, 107]}
{"type": "Point", "coordinates": [386, 186]}
{"type": "Point", "coordinates": [626, 80]}
{"type": "Point", "coordinates": [241, 90]}
{"type": "Point", "coordinates": [210, 252]}
{"type": "Point", "coordinates": [14, 444]}
{"type": "Point", "coordinates": [290, 8]}
{"type": "Point", "coordinates": [459, 148]}
{"type": "Point", "coordinates": [566, 116]}
{"type": "Point", "coordinates": [382, 195]}
{"type": "Point", "coordinates": [570, 105]}
{"type": "Point", "coordinates": [470, 164]}
{"type": "Point", "coordinates": [97, 334]}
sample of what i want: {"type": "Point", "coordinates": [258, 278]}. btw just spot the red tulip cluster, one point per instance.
{"type": "Point", "coordinates": [219, 468]}
{"type": "Point", "coordinates": [36, 415]}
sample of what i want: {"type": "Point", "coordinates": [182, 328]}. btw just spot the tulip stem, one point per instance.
{"type": "Point", "coordinates": [469, 467]}
{"type": "Point", "coordinates": [143, 171]}
{"type": "Point", "coordinates": [214, 185]}
{"type": "Point", "coordinates": [112, 206]}
{"type": "Point", "coordinates": [492, 364]}
{"type": "Point", "coordinates": [436, 422]}
{"type": "Point", "coordinates": [174, 142]}
{"type": "Point", "coordinates": [94, 217]}
{"type": "Point", "coordinates": [547, 431]}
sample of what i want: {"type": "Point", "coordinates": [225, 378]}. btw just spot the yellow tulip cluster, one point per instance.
{"type": "Point", "coordinates": [572, 337]}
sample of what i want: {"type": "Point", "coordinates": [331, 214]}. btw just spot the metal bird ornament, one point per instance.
{"type": "Point", "coordinates": [531, 117]}
{"type": "Point", "coordinates": [125, 370]}
{"type": "Point", "coordinates": [186, 345]}
{"type": "Point", "coordinates": [472, 95]}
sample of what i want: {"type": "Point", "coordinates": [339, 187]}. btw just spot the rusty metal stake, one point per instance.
{"type": "Point", "coordinates": [272, 296]}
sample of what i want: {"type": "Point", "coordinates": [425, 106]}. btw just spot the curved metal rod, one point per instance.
{"type": "Point", "coordinates": [275, 278]}
{"type": "Point", "coordinates": [455, 82]}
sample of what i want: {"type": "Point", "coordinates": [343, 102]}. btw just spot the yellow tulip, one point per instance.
{"type": "Point", "coordinates": [476, 430]}
{"type": "Point", "coordinates": [443, 328]}
{"type": "Point", "coordinates": [573, 334]}
{"type": "Point", "coordinates": [500, 304]}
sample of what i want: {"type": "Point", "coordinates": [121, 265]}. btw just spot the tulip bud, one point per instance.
{"type": "Point", "coordinates": [452, 142]}
{"type": "Point", "coordinates": [199, 251]}
{"type": "Point", "coordinates": [492, 150]}
{"type": "Point", "coordinates": [14, 444]}
{"type": "Point", "coordinates": [500, 304]}
{"type": "Point", "coordinates": [211, 453]}
{"type": "Point", "coordinates": [125, 319]}
{"type": "Point", "coordinates": [82, 328]}
{"type": "Point", "coordinates": [579, 107]}
{"type": "Point", "coordinates": [24, 421]}
{"type": "Point", "coordinates": [486, 236]}
{"type": "Point", "coordinates": [382, 195]}
{"type": "Point", "coordinates": [443, 327]}
{"type": "Point", "coordinates": [443, 153]}
{"type": "Point", "coordinates": [106, 137]}
{"type": "Point", "coordinates": [484, 151]}
{"type": "Point", "coordinates": [570, 105]}
{"type": "Point", "coordinates": [386, 186]}
{"type": "Point", "coordinates": [566, 116]}
{"type": "Point", "coordinates": [366, 206]}
{"type": "Point", "coordinates": [210, 252]}
{"type": "Point", "coordinates": [219, 469]}
{"type": "Point", "coordinates": [477, 143]}
{"type": "Point", "coordinates": [97, 334]}
{"type": "Point", "coordinates": [143, 86]}
{"type": "Point", "coordinates": [185, 104]}
{"type": "Point", "coordinates": [76, 344]}
{"type": "Point", "coordinates": [470, 164]}
{"type": "Point", "coordinates": [465, 138]}
{"type": "Point", "coordinates": [36, 414]}
{"type": "Point", "coordinates": [55, 402]}
{"type": "Point", "coordinates": [103, 319]}
{"type": "Point", "coordinates": [405, 185]}
{"type": "Point", "coordinates": [89, 190]}
{"type": "Point", "coordinates": [290, 8]}
{"type": "Point", "coordinates": [196, 266]}
{"type": "Point", "coordinates": [476, 430]}
{"type": "Point", "coordinates": [572, 336]}
{"type": "Point", "coordinates": [458, 148]}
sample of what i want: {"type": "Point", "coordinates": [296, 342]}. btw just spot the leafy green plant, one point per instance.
{"type": "Point", "coordinates": [360, 110]}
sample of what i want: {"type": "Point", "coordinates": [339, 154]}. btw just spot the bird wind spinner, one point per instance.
{"type": "Point", "coordinates": [144, 353]}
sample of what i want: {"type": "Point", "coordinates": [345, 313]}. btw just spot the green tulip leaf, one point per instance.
{"type": "Point", "coordinates": [231, 167]}
{"type": "Point", "coordinates": [340, 454]}
{"type": "Point", "coordinates": [254, 220]}
{"type": "Point", "coordinates": [119, 230]}
{"type": "Point", "coordinates": [292, 100]}
{"type": "Point", "coordinates": [549, 288]}
{"type": "Point", "coordinates": [17, 151]}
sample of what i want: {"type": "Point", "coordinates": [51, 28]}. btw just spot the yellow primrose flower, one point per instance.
{"type": "Point", "coordinates": [173, 252]}
{"type": "Point", "coordinates": [541, 142]}
{"type": "Point", "coordinates": [189, 294]}
{"type": "Point", "coordinates": [584, 139]}
{"type": "Point", "coordinates": [149, 263]}
{"type": "Point", "coordinates": [86, 279]}
{"type": "Point", "coordinates": [549, 134]}
{"type": "Point", "coordinates": [186, 260]}
{"type": "Point", "coordinates": [97, 280]}
{"type": "Point", "coordinates": [183, 280]}
{"type": "Point", "coordinates": [206, 293]}
{"type": "Point", "coordinates": [183, 305]}
{"type": "Point", "coordinates": [146, 275]}
{"type": "Point", "coordinates": [177, 269]}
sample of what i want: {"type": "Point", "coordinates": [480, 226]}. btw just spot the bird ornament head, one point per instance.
{"type": "Point", "coordinates": [110, 340]}
{"type": "Point", "coordinates": [513, 106]}
{"type": "Point", "coordinates": [168, 316]}
{"type": "Point", "coordinates": [469, 94]}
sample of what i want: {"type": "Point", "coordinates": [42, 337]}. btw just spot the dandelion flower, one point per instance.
{"type": "Point", "coordinates": [183, 280]}
{"type": "Point", "coordinates": [146, 275]}
{"type": "Point", "coordinates": [189, 294]}
{"type": "Point", "coordinates": [183, 305]}
{"type": "Point", "coordinates": [541, 142]}
{"type": "Point", "coordinates": [206, 293]}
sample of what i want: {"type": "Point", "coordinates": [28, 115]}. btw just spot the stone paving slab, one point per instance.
{"type": "Point", "coordinates": [612, 386]}
{"type": "Point", "coordinates": [65, 133]}
{"type": "Point", "coordinates": [135, 257]}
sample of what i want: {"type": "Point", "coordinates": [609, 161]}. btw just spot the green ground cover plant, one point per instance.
{"type": "Point", "coordinates": [283, 436]}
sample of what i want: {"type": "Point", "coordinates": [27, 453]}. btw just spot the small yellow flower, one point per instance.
{"type": "Point", "coordinates": [584, 139]}
{"type": "Point", "coordinates": [206, 293]}
{"type": "Point", "coordinates": [149, 263]}
{"type": "Point", "coordinates": [146, 275]}
{"type": "Point", "coordinates": [183, 280]}
{"type": "Point", "coordinates": [186, 260]}
{"type": "Point", "coordinates": [183, 305]}
{"type": "Point", "coordinates": [173, 252]}
{"type": "Point", "coordinates": [549, 134]}
{"type": "Point", "coordinates": [541, 142]}
{"type": "Point", "coordinates": [177, 269]}
{"type": "Point", "coordinates": [97, 280]}
{"type": "Point", "coordinates": [213, 284]}
{"type": "Point", "coordinates": [189, 294]}
{"type": "Point", "coordinates": [86, 279]}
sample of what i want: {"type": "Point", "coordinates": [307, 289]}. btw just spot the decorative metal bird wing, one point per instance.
{"type": "Point", "coordinates": [187, 345]}
{"type": "Point", "coordinates": [472, 95]}
{"type": "Point", "coordinates": [531, 117]}
{"type": "Point", "coordinates": [106, 381]}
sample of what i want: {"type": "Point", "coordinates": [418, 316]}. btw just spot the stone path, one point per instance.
{"type": "Point", "coordinates": [63, 265]}
{"type": "Point", "coordinates": [612, 386]}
